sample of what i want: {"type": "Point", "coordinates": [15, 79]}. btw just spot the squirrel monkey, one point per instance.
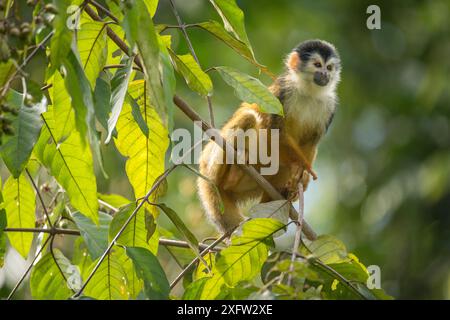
{"type": "Point", "coordinates": [307, 91]}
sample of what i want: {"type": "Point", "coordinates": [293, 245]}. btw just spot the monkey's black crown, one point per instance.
{"type": "Point", "coordinates": [306, 48]}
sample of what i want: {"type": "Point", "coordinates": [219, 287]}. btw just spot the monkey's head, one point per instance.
{"type": "Point", "coordinates": [316, 62]}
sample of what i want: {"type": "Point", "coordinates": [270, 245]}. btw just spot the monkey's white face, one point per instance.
{"type": "Point", "coordinates": [320, 72]}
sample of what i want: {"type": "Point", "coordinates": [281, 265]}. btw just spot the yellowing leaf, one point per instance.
{"type": "Point", "coordinates": [145, 155]}
{"type": "Point", "coordinates": [93, 49]}
{"type": "Point", "coordinates": [71, 164]}
{"type": "Point", "coordinates": [20, 206]}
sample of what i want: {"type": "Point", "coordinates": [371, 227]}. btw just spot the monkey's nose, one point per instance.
{"type": "Point", "coordinates": [321, 78]}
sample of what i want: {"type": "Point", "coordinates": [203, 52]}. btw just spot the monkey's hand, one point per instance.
{"type": "Point", "coordinates": [299, 153]}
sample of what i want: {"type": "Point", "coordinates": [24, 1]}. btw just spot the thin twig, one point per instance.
{"type": "Point", "coordinates": [28, 269]}
{"type": "Point", "coordinates": [47, 215]}
{"type": "Point", "coordinates": [102, 8]}
{"type": "Point", "coordinates": [194, 261]}
{"type": "Point", "coordinates": [191, 49]}
{"type": "Point", "coordinates": [298, 233]}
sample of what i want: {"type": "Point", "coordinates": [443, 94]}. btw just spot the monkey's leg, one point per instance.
{"type": "Point", "coordinates": [301, 155]}
{"type": "Point", "coordinates": [220, 206]}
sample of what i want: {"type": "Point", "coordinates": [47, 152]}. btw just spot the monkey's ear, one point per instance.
{"type": "Point", "coordinates": [293, 61]}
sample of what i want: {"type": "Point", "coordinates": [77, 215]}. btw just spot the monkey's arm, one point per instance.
{"type": "Point", "coordinates": [306, 160]}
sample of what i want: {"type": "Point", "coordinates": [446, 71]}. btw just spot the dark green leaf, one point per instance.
{"type": "Point", "coordinates": [102, 97]}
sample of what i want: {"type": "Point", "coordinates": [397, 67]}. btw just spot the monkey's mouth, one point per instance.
{"type": "Point", "coordinates": [321, 79]}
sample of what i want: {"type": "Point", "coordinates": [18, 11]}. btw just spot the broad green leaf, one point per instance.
{"type": "Point", "coordinates": [2, 249]}
{"type": "Point", "coordinates": [63, 113]}
{"type": "Point", "coordinates": [156, 285]}
{"type": "Point", "coordinates": [179, 224]}
{"type": "Point", "coordinates": [6, 69]}
{"type": "Point", "coordinates": [54, 280]}
{"type": "Point", "coordinates": [145, 155]}
{"type": "Point", "coordinates": [81, 257]}
{"type": "Point", "coordinates": [95, 236]}
{"type": "Point", "coordinates": [16, 149]}
{"type": "Point", "coordinates": [102, 97]}
{"type": "Point", "coordinates": [213, 288]}
{"type": "Point", "coordinates": [167, 76]}
{"type": "Point", "coordinates": [119, 86]}
{"type": "Point", "coordinates": [244, 258]}
{"type": "Point", "coordinates": [71, 164]}
{"type": "Point", "coordinates": [135, 234]}
{"type": "Point", "coordinates": [110, 281]}
{"type": "Point", "coordinates": [61, 40]}
{"type": "Point", "coordinates": [233, 18]}
{"type": "Point", "coordinates": [202, 271]}
{"type": "Point", "coordinates": [194, 76]}
{"type": "Point", "coordinates": [82, 101]}
{"type": "Point", "coordinates": [238, 46]}
{"type": "Point", "coordinates": [251, 90]}
{"type": "Point", "coordinates": [195, 289]}
{"type": "Point", "coordinates": [20, 206]}
{"type": "Point", "coordinates": [278, 209]}
{"type": "Point", "coordinates": [135, 20]}
{"type": "Point", "coordinates": [114, 200]}
{"type": "Point", "coordinates": [328, 249]}
{"type": "Point", "coordinates": [93, 49]}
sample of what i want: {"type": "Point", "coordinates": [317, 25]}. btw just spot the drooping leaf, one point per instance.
{"type": "Point", "coordinates": [102, 97]}
{"type": "Point", "coordinates": [119, 86]}
{"type": "Point", "coordinates": [156, 285]}
{"type": "Point", "coordinates": [93, 49]}
{"type": "Point", "coordinates": [194, 76]}
{"type": "Point", "coordinates": [54, 280]}
{"type": "Point", "coordinates": [251, 90]}
{"type": "Point", "coordinates": [233, 18]}
{"type": "Point", "coordinates": [135, 20]}
{"type": "Point", "coordinates": [135, 234]}
{"type": "Point", "coordinates": [71, 164]}
{"type": "Point", "coordinates": [95, 236]}
{"type": "Point", "coordinates": [179, 224]}
{"type": "Point", "coordinates": [145, 154]}
{"type": "Point", "coordinates": [238, 46]}
{"type": "Point", "coordinates": [20, 206]}
{"type": "Point", "coordinates": [244, 258]}
{"type": "Point", "coordinates": [83, 103]}
{"type": "Point", "coordinates": [63, 113]}
{"type": "Point", "coordinates": [61, 40]}
{"type": "Point", "coordinates": [110, 281]}
{"type": "Point", "coordinates": [16, 149]}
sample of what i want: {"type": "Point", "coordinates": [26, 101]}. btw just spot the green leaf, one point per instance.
{"type": "Point", "coordinates": [195, 289]}
{"type": "Point", "coordinates": [114, 200]}
{"type": "Point", "coordinates": [251, 90]}
{"type": "Point", "coordinates": [244, 258]}
{"type": "Point", "coordinates": [179, 224]}
{"type": "Point", "coordinates": [233, 18]}
{"type": "Point", "coordinates": [195, 78]}
{"type": "Point", "coordinates": [2, 249]}
{"type": "Point", "coordinates": [70, 163]}
{"type": "Point", "coordinates": [93, 49]}
{"type": "Point", "coordinates": [16, 149]}
{"type": "Point", "coordinates": [95, 236]}
{"type": "Point", "coordinates": [328, 249]}
{"type": "Point", "coordinates": [135, 234]}
{"type": "Point", "coordinates": [82, 101]}
{"type": "Point", "coordinates": [102, 97]}
{"type": "Point", "coordinates": [278, 209]}
{"type": "Point", "coordinates": [167, 76]}
{"type": "Point", "coordinates": [61, 40]}
{"type": "Point", "coordinates": [119, 86]}
{"type": "Point", "coordinates": [135, 20]}
{"type": "Point", "coordinates": [81, 257]}
{"type": "Point", "coordinates": [6, 69]}
{"type": "Point", "coordinates": [145, 155]}
{"type": "Point", "coordinates": [53, 280]}
{"type": "Point", "coordinates": [20, 206]}
{"type": "Point", "coordinates": [63, 113]}
{"type": "Point", "coordinates": [238, 46]}
{"type": "Point", "coordinates": [156, 286]}
{"type": "Point", "coordinates": [151, 5]}
{"type": "Point", "coordinates": [110, 281]}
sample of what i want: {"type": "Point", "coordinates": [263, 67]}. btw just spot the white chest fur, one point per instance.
{"type": "Point", "coordinates": [307, 115]}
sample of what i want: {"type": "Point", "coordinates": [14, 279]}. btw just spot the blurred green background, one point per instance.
{"type": "Point", "coordinates": [384, 166]}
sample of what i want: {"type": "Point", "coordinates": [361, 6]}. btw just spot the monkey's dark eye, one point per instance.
{"type": "Point", "coordinates": [329, 67]}
{"type": "Point", "coordinates": [317, 64]}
